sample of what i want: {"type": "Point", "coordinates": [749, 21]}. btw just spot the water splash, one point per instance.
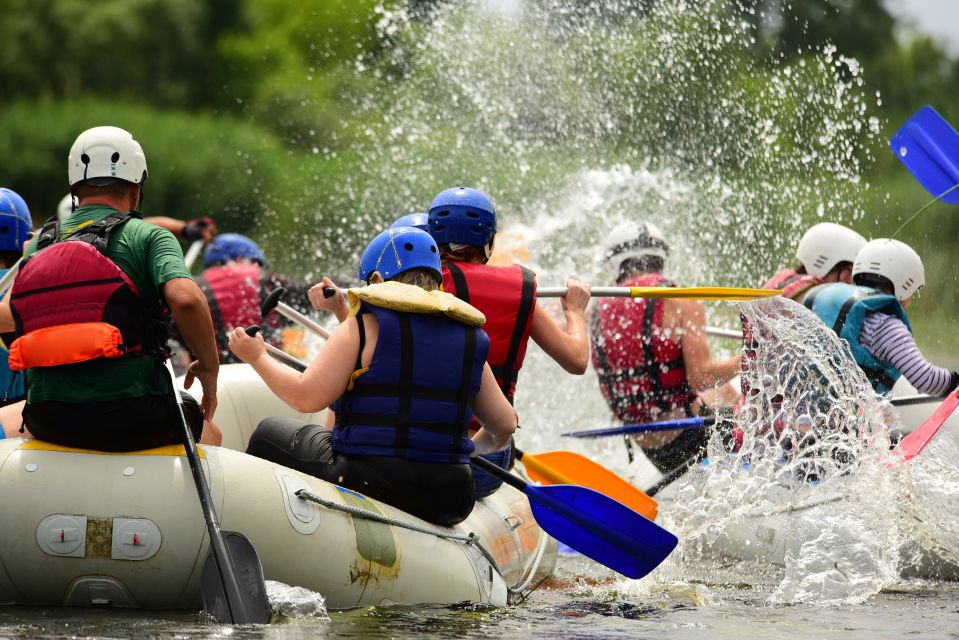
{"type": "Point", "coordinates": [529, 100]}
{"type": "Point", "coordinates": [295, 603]}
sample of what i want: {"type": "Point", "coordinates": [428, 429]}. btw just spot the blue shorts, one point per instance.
{"type": "Point", "coordinates": [483, 483]}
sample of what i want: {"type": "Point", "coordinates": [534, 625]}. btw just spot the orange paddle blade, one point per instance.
{"type": "Point", "coordinates": [566, 467]}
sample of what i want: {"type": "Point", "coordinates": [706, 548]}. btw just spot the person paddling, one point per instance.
{"type": "Point", "coordinates": [86, 309]}
{"type": "Point", "coordinates": [235, 282]}
{"type": "Point", "coordinates": [651, 355]}
{"type": "Point", "coordinates": [405, 374]}
{"type": "Point", "coordinates": [463, 223]}
{"type": "Point", "coordinates": [870, 315]}
{"type": "Point", "coordinates": [825, 253]}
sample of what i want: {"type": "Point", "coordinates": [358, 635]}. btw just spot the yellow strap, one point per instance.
{"type": "Point", "coordinates": [412, 299]}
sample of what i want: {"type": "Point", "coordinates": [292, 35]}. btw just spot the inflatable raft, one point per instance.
{"type": "Point", "coordinates": [89, 528]}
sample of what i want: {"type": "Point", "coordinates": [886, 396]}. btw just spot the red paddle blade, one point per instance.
{"type": "Point", "coordinates": [913, 444]}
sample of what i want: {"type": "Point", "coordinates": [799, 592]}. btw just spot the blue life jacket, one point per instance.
{"type": "Point", "coordinates": [414, 400]}
{"type": "Point", "coordinates": [11, 385]}
{"type": "Point", "coordinates": [843, 307]}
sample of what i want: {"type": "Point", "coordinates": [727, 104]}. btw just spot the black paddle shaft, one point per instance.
{"type": "Point", "coordinates": [236, 611]}
{"type": "Point", "coordinates": [499, 472]}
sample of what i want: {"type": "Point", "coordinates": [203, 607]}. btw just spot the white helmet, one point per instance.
{"type": "Point", "coordinates": [631, 240]}
{"type": "Point", "coordinates": [895, 261]}
{"type": "Point", "coordinates": [66, 206]}
{"type": "Point", "coordinates": [103, 155]}
{"type": "Point", "coordinates": [827, 244]}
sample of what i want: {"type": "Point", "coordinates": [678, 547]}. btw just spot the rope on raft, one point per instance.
{"type": "Point", "coordinates": [470, 540]}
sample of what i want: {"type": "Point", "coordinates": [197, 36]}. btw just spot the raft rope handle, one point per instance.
{"type": "Point", "coordinates": [471, 540]}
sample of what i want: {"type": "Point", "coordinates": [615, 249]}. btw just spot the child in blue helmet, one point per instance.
{"type": "Point", "coordinates": [404, 375]}
{"type": "Point", "coordinates": [15, 229]}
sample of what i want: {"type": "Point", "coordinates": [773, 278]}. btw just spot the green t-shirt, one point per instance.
{"type": "Point", "coordinates": [150, 256]}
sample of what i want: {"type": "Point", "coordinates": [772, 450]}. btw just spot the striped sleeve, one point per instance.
{"type": "Point", "coordinates": [888, 338]}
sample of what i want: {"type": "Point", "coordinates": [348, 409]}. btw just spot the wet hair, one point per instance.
{"type": "Point", "coordinates": [468, 253]}
{"type": "Point", "coordinates": [643, 264]}
{"type": "Point", "coordinates": [875, 281]}
{"type": "Point", "coordinates": [419, 277]}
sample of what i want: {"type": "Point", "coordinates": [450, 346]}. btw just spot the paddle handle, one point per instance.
{"type": "Point", "coordinates": [689, 293]}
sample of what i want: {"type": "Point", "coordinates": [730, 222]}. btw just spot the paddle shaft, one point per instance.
{"type": "Point", "coordinates": [8, 277]}
{"type": "Point", "coordinates": [225, 568]}
{"type": "Point", "coordinates": [290, 313]}
{"type": "Point", "coordinates": [649, 427]}
{"type": "Point", "coordinates": [704, 293]}
{"type": "Point", "coordinates": [193, 253]}
{"type": "Point", "coordinates": [719, 332]}
{"type": "Point", "coordinates": [278, 354]}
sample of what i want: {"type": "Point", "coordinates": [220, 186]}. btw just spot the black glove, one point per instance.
{"type": "Point", "coordinates": [195, 228]}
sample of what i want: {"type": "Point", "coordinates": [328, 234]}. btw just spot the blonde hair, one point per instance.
{"type": "Point", "coordinates": [419, 277]}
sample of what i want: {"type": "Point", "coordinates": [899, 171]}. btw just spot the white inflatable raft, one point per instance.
{"type": "Point", "coordinates": [88, 528]}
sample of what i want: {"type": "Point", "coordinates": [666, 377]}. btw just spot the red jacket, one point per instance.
{"type": "Point", "coordinates": [507, 297]}
{"type": "Point", "coordinates": [641, 371]}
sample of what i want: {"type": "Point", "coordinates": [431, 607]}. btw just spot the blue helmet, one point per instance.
{"type": "Point", "coordinates": [399, 249]}
{"type": "Point", "coordinates": [418, 220]}
{"type": "Point", "coordinates": [462, 216]}
{"type": "Point", "coordinates": [230, 246]}
{"type": "Point", "coordinates": [15, 221]}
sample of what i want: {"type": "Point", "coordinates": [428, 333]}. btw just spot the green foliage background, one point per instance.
{"type": "Point", "coordinates": [262, 112]}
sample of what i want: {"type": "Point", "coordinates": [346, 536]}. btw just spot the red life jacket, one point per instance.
{"type": "Point", "coordinates": [507, 297]}
{"type": "Point", "coordinates": [235, 292]}
{"type": "Point", "coordinates": [71, 303]}
{"type": "Point", "coordinates": [792, 283]}
{"type": "Point", "coordinates": [641, 371]}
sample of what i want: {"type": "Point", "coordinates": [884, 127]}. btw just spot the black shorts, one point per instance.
{"type": "Point", "coordinates": [126, 424]}
{"type": "Point", "coordinates": [437, 492]}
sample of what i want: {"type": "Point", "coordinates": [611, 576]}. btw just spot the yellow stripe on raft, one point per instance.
{"type": "Point", "coordinates": [169, 450]}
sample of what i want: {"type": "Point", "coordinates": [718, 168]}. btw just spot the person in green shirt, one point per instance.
{"type": "Point", "coordinates": [120, 403]}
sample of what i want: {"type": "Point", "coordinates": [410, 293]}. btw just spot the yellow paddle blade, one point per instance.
{"type": "Point", "coordinates": [566, 467]}
{"type": "Point", "coordinates": [703, 293]}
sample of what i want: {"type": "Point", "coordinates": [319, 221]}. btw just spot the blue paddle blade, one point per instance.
{"type": "Point", "coordinates": [929, 147]}
{"type": "Point", "coordinates": [601, 528]}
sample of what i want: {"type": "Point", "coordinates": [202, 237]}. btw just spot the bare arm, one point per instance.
{"type": "Point", "coordinates": [323, 381]}
{"type": "Point", "coordinates": [569, 347]}
{"type": "Point", "coordinates": [196, 229]}
{"type": "Point", "coordinates": [702, 371]}
{"type": "Point", "coordinates": [6, 318]}
{"type": "Point", "coordinates": [192, 316]}
{"type": "Point", "coordinates": [495, 412]}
